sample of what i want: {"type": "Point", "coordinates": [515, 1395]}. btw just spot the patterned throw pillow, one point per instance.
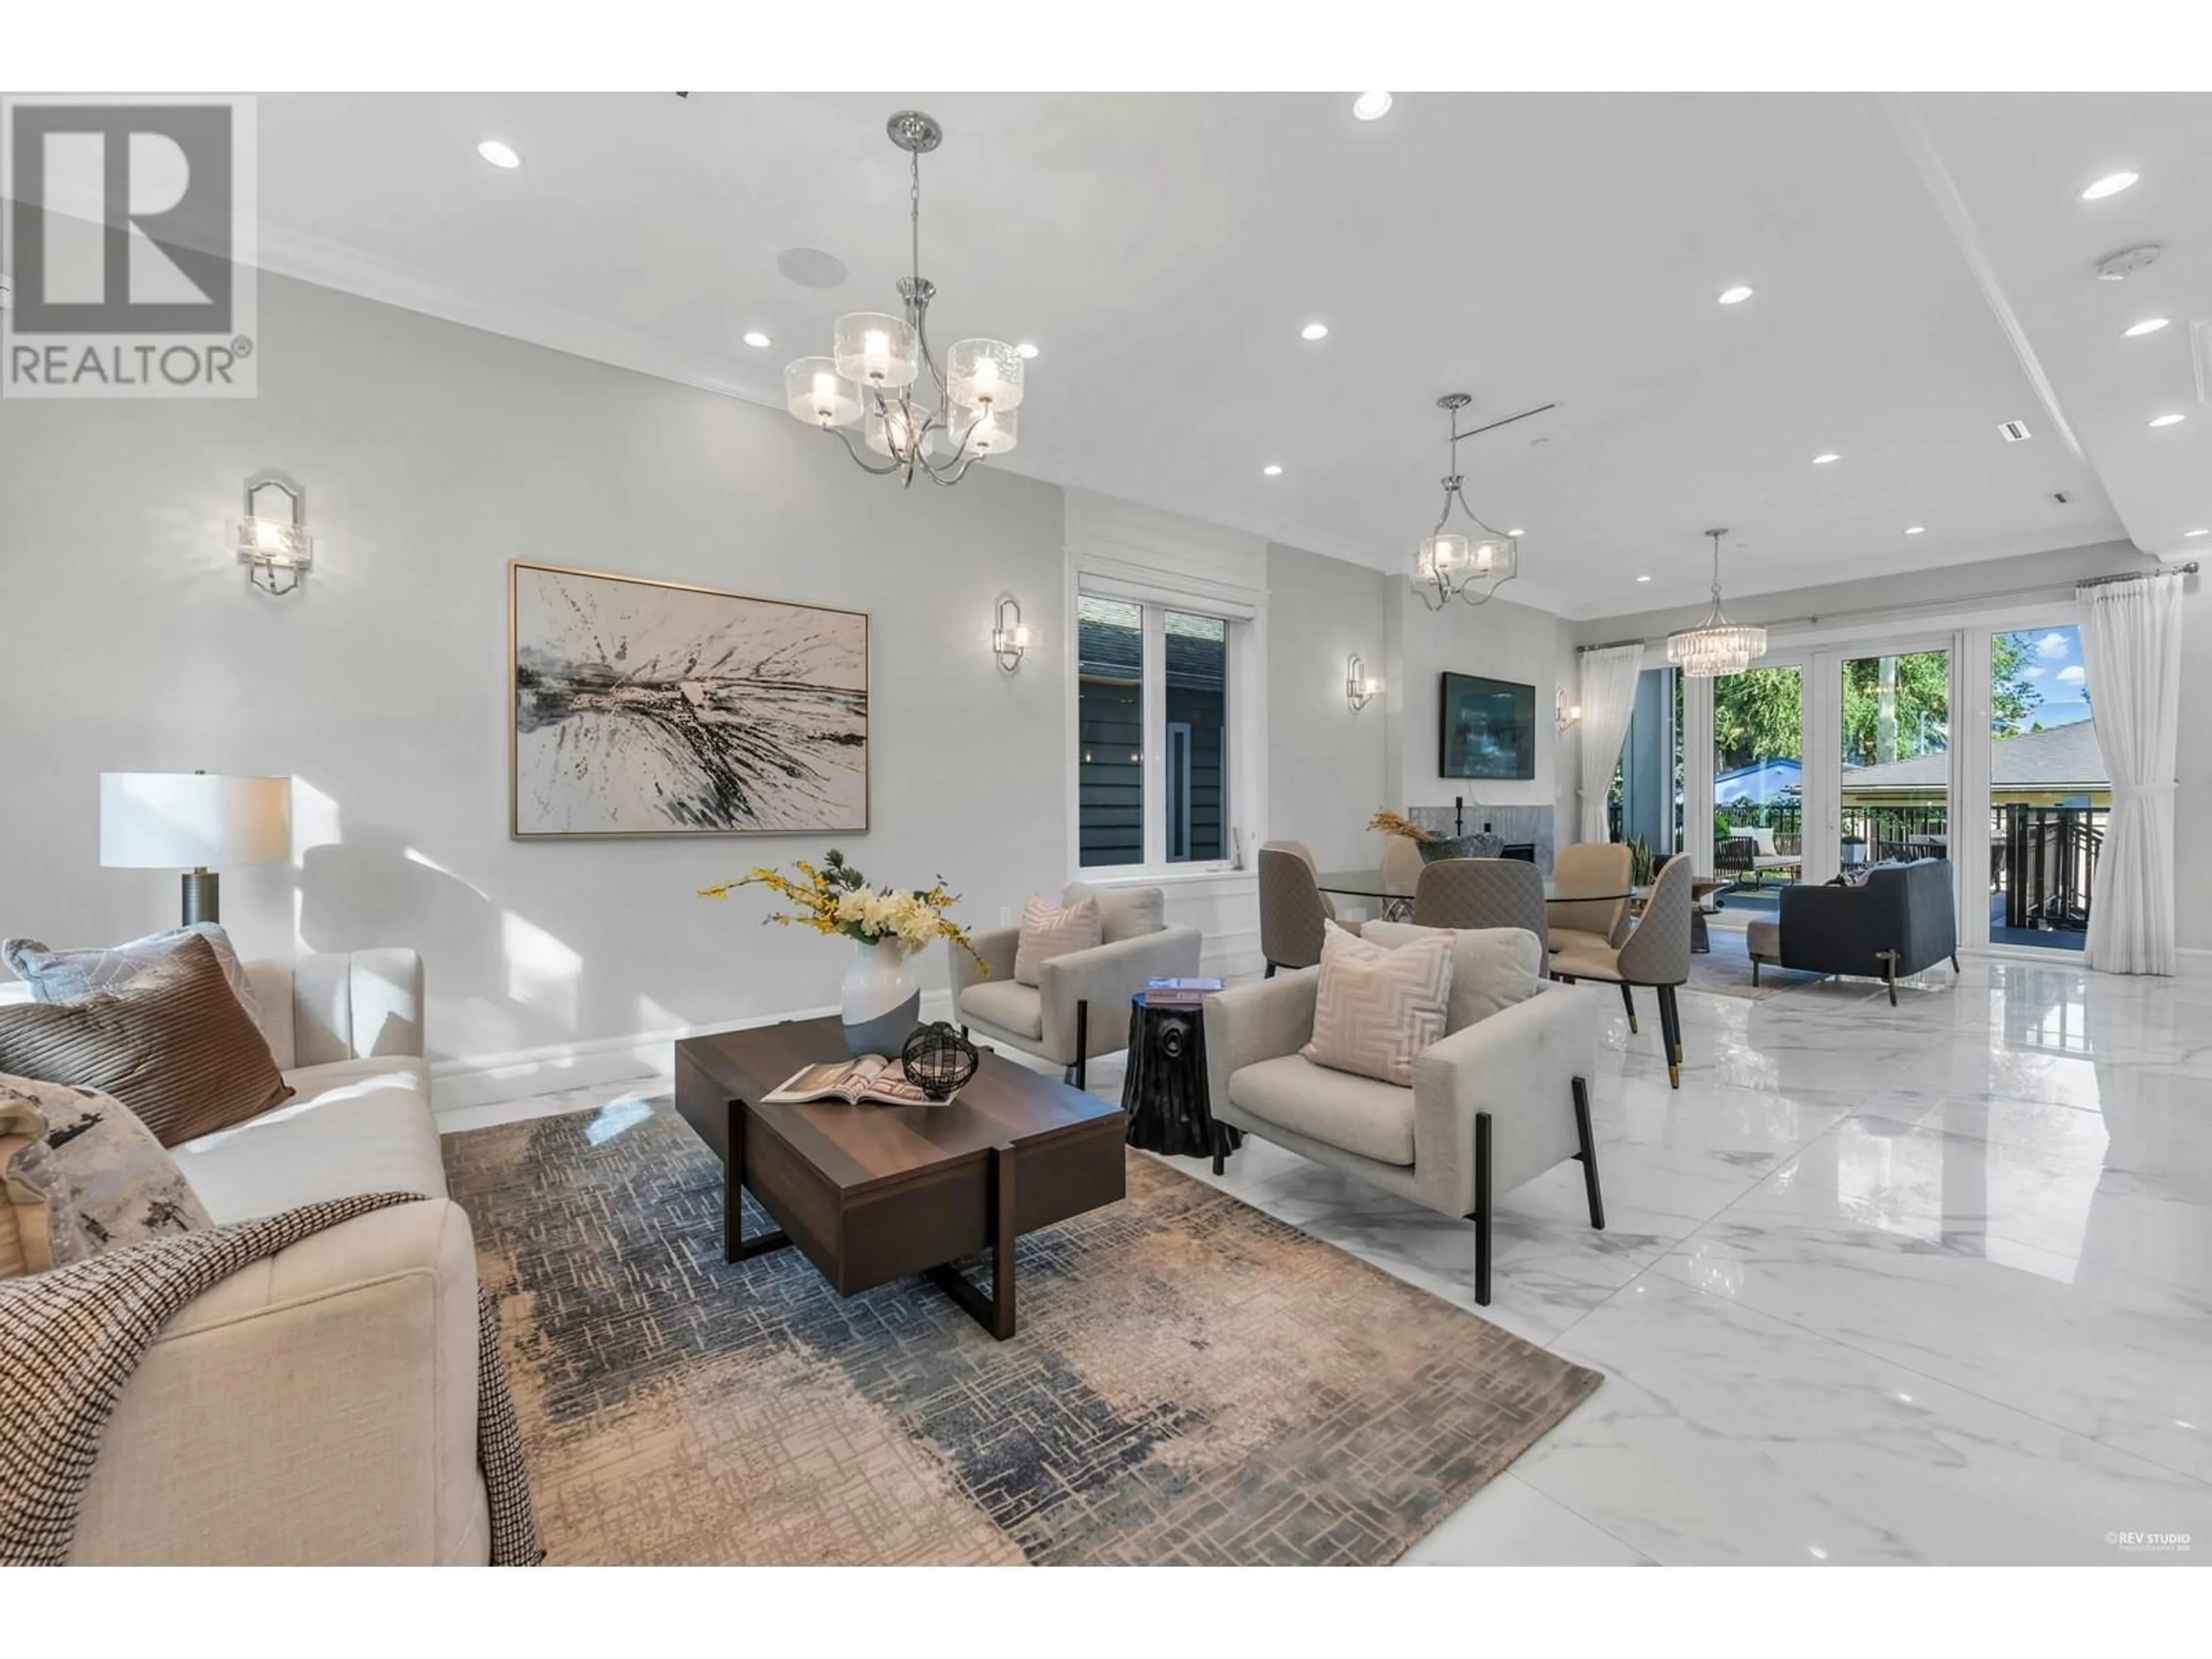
{"type": "Point", "coordinates": [174, 1045]}
{"type": "Point", "coordinates": [55, 974]}
{"type": "Point", "coordinates": [1047, 931]}
{"type": "Point", "coordinates": [1123, 911]}
{"type": "Point", "coordinates": [83, 1175]}
{"type": "Point", "coordinates": [1375, 1009]}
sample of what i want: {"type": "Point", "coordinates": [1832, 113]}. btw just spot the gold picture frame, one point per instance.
{"type": "Point", "coordinates": [652, 709]}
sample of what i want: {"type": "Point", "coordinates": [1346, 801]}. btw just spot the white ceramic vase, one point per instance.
{"type": "Point", "coordinates": [880, 999]}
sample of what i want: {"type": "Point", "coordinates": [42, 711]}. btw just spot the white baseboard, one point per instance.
{"type": "Point", "coordinates": [471, 1080]}
{"type": "Point", "coordinates": [2196, 961]}
{"type": "Point", "coordinates": [474, 1080]}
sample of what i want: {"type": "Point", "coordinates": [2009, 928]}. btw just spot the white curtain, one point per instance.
{"type": "Point", "coordinates": [1608, 701]}
{"type": "Point", "coordinates": [2132, 647]}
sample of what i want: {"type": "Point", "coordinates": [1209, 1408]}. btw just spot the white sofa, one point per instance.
{"type": "Point", "coordinates": [320, 1406]}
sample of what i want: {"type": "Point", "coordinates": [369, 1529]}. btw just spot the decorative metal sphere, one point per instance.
{"type": "Point", "coordinates": [939, 1060]}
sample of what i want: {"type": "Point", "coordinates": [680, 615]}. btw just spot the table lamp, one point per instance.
{"type": "Point", "coordinates": [190, 821]}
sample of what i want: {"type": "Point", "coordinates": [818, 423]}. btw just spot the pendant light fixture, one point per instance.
{"type": "Point", "coordinates": [1716, 646]}
{"type": "Point", "coordinates": [872, 379]}
{"type": "Point", "coordinates": [1451, 564]}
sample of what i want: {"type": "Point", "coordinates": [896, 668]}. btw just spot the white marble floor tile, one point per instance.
{"type": "Point", "coordinates": [1721, 1436]}
{"type": "Point", "coordinates": [1509, 1523]}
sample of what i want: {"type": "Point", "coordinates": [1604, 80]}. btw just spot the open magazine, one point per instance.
{"type": "Point", "coordinates": [871, 1079]}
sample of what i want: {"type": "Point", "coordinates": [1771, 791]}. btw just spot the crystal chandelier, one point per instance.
{"type": "Point", "coordinates": [1716, 646]}
{"type": "Point", "coordinates": [878, 360]}
{"type": "Point", "coordinates": [1449, 564]}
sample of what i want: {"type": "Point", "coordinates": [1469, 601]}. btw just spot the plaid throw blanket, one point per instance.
{"type": "Point", "coordinates": [70, 1339]}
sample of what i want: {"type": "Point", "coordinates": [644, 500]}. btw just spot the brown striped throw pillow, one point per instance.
{"type": "Point", "coordinates": [172, 1044]}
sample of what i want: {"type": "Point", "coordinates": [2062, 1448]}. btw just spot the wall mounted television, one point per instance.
{"type": "Point", "coordinates": [1486, 728]}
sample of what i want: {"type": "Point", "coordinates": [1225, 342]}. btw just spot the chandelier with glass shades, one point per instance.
{"type": "Point", "coordinates": [1451, 564]}
{"type": "Point", "coordinates": [878, 362]}
{"type": "Point", "coordinates": [1716, 646]}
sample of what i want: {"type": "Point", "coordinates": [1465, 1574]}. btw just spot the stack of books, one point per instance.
{"type": "Point", "coordinates": [1179, 993]}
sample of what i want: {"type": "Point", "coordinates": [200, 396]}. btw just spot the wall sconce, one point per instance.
{"type": "Point", "coordinates": [1565, 714]}
{"type": "Point", "coordinates": [268, 545]}
{"type": "Point", "coordinates": [1010, 635]}
{"type": "Point", "coordinates": [1359, 685]}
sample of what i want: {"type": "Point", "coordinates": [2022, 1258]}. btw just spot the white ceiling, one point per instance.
{"type": "Point", "coordinates": [1163, 251]}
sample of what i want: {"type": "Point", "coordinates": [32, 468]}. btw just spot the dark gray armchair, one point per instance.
{"type": "Point", "coordinates": [1902, 919]}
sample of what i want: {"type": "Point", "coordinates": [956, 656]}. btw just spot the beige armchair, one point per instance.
{"type": "Point", "coordinates": [1079, 1005]}
{"type": "Point", "coordinates": [1502, 1098]}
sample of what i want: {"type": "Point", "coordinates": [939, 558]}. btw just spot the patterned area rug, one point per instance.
{"type": "Point", "coordinates": [1193, 1380]}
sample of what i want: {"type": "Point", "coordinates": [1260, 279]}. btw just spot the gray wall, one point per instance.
{"type": "Point", "coordinates": [1326, 772]}
{"type": "Point", "coordinates": [1501, 641]}
{"type": "Point", "coordinates": [2026, 578]}
{"type": "Point", "coordinates": [431, 455]}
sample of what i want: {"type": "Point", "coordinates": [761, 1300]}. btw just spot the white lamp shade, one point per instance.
{"type": "Point", "coordinates": [816, 393]}
{"type": "Point", "coordinates": [192, 820]}
{"type": "Point", "coordinates": [877, 352]}
{"type": "Point", "coordinates": [985, 375]}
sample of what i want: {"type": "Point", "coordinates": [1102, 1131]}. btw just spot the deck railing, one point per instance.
{"type": "Point", "coordinates": [2045, 862]}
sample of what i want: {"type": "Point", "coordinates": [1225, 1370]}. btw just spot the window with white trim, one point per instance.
{"type": "Point", "coordinates": [1153, 763]}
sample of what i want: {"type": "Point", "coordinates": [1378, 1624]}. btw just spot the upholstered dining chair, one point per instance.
{"type": "Point", "coordinates": [1597, 866]}
{"type": "Point", "coordinates": [1466, 893]}
{"type": "Point", "coordinates": [1656, 953]}
{"type": "Point", "coordinates": [1402, 865]}
{"type": "Point", "coordinates": [1293, 911]}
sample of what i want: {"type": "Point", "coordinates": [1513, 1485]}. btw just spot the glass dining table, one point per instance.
{"type": "Point", "coordinates": [1372, 883]}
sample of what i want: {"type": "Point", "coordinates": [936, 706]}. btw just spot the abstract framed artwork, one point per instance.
{"type": "Point", "coordinates": [640, 707]}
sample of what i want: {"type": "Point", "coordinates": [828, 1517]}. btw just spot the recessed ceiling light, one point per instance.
{"type": "Point", "coordinates": [1643, 579]}
{"type": "Point", "coordinates": [2111, 184]}
{"type": "Point", "coordinates": [1916, 530]}
{"type": "Point", "coordinates": [498, 155]}
{"type": "Point", "coordinates": [1736, 296]}
{"type": "Point", "coordinates": [1371, 106]}
{"type": "Point", "coordinates": [1313, 332]}
{"type": "Point", "coordinates": [2196, 532]}
{"type": "Point", "coordinates": [756, 340]}
{"type": "Point", "coordinates": [1027, 348]}
{"type": "Point", "coordinates": [1271, 471]}
{"type": "Point", "coordinates": [2168, 420]}
{"type": "Point", "coordinates": [1517, 533]}
{"type": "Point", "coordinates": [1823, 460]}
{"type": "Point", "coordinates": [2148, 326]}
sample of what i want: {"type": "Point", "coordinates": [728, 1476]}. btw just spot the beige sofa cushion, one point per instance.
{"type": "Point", "coordinates": [1011, 1007]}
{"type": "Point", "coordinates": [1492, 968]}
{"type": "Point", "coordinates": [355, 1126]}
{"type": "Point", "coordinates": [1378, 1007]}
{"type": "Point", "coordinates": [1357, 1114]}
{"type": "Point", "coordinates": [1050, 931]}
{"type": "Point", "coordinates": [1123, 911]}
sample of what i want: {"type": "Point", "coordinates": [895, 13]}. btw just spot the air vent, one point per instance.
{"type": "Point", "coordinates": [2200, 353]}
{"type": "Point", "coordinates": [2062, 498]}
{"type": "Point", "coordinates": [2015, 432]}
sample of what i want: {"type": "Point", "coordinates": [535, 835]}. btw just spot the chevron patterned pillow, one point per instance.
{"type": "Point", "coordinates": [1376, 1009]}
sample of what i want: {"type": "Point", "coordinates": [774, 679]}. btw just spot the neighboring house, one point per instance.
{"type": "Point", "coordinates": [2059, 766]}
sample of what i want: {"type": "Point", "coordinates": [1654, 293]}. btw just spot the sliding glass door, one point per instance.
{"type": "Point", "coordinates": [1893, 756]}
{"type": "Point", "coordinates": [1758, 783]}
{"type": "Point", "coordinates": [2049, 798]}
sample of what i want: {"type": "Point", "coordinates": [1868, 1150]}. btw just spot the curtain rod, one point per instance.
{"type": "Point", "coordinates": [2189, 569]}
{"type": "Point", "coordinates": [2055, 591]}
{"type": "Point", "coordinates": [1612, 645]}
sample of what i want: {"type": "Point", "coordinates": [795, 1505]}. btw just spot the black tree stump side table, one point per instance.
{"type": "Point", "coordinates": [1164, 1093]}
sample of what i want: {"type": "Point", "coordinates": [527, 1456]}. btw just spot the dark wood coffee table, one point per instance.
{"type": "Point", "coordinates": [871, 1193]}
